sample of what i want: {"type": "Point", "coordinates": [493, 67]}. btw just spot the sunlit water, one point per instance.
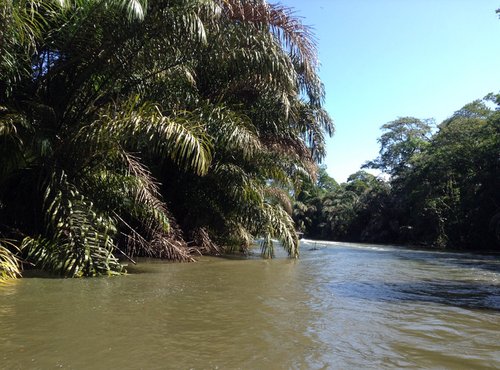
{"type": "Point", "coordinates": [341, 306]}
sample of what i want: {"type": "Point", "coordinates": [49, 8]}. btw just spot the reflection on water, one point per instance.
{"type": "Point", "coordinates": [340, 306]}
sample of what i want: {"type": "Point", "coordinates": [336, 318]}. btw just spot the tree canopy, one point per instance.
{"type": "Point", "coordinates": [402, 140]}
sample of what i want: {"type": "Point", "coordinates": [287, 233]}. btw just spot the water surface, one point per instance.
{"type": "Point", "coordinates": [340, 306]}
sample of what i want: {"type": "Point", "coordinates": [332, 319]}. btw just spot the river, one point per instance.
{"type": "Point", "coordinates": [340, 306]}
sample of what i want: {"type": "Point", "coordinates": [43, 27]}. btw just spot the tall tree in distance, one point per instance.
{"type": "Point", "coordinates": [402, 140]}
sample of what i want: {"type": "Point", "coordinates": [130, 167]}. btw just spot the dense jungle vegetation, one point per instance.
{"type": "Point", "coordinates": [443, 188]}
{"type": "Point", "coordinates": [164, 128]}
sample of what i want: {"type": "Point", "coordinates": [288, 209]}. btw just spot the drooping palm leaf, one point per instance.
{"type": "Point", "coordinates": [144, 127]}
{"type": "Point", "coordinates": [81, 240]}
{"type": "Point", "coordinates": [10, 265]}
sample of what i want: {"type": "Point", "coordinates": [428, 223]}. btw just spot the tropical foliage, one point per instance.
{"type": "Point", "coordinates": [443, 188]}
{"type": "Point", "coordinates": [158, 128]}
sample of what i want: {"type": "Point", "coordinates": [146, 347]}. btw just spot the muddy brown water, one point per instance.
{"type": "Point", "coordinates": [340, 306]}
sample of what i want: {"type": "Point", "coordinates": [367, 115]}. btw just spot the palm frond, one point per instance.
{"type": "Point", "coordinates": [11, 141]}
{"type": "Point", "coordinates": [232, 131]}
{"type": "Point", "coordinates": [289, 31]}
{"type": "Point", "coordinates": [147, 194]}
{"type": "Point", "coordinates": [286, 27]}
{"type": "Point", "coordinates": [238, 184]}
{"type": "Point", "coordinates": [80, 241]}
{"type": "Point", "coordinates": [277, 223]}
{"type": "Point", "coordinates": [135, 9]}
{"type": "Point", "coordinates": [124, 185]}
{"type": "Point", "coordinates": [203, 243]}
{"type": "Point", "coordinates": [249, 61]}
{"type": "Point", "coordinates": [267, 247]}
{"type": "Point", "coordinates": [145, 128]}
{"type": "Point", "coordinates": [171, 249]}
{"type": "Point", "coordinates": [279, 196]}
{"type": "Point", "coordinates": [10, 265]}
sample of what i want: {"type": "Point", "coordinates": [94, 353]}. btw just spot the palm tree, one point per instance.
{"type": "Point", "coordinates": [217, 100]}
{"type": "Point", "coordinates": [266, 134]}
{"type": "Point", "coordinates": [72, 133]}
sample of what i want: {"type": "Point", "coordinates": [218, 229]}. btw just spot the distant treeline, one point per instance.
{"type": "Point", "coordinates": [443, 188]}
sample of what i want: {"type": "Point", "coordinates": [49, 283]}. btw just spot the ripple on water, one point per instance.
{"type": "Point", "coordinates": [340, 306]}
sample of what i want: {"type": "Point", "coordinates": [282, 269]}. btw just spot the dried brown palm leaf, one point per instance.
{"type": "Point", "coordinates": [171, 249]}
{"type": "Point", "coordinates": [203, 244]}
{"type": "Point", "coordinates": [279, 196]}
{"type": "Point", "coordinates": [287, 28]}
{"type": "Point", "coordinates": [287, 145]}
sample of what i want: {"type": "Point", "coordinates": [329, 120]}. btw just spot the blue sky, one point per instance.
{"type": "Point", "coordinates": [383, 59]}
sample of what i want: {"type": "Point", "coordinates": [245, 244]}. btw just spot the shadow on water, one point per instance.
{"type": "Point", "coordinates": [460, 260]}
{"type": "Point", "coordinates": [462, 294]}
{"type": "Point", "coordinates": [486, 262]}
{"type": "Point", "coordinates": [40, 274]}
{"type": "Point", "coordinates": [394, 274]}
